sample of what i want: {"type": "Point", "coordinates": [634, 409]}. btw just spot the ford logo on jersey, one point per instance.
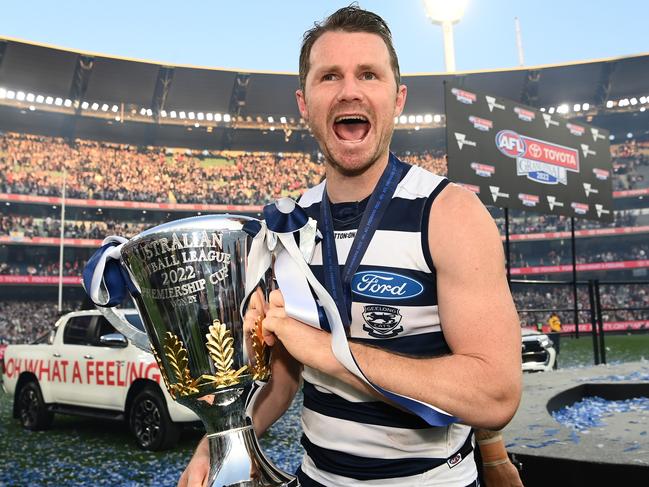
{"type": "Point", "coordinates": [385, 285]}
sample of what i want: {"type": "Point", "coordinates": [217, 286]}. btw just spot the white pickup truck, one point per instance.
{"type": "Point", "coordinates": [84, 367]}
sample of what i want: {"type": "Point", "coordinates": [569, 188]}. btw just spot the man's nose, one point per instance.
{"type": "Point", "coordinates": [350, 89]}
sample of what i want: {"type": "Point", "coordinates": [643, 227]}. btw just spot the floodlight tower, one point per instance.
{"type": "Point", "coordinates": [446, 13]}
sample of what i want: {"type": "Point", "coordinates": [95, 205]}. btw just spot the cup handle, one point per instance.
{"type": "Point", "coordinates": [133, 335]}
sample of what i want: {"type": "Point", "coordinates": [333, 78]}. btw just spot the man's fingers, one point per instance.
{"type": "Point", "coordinates": [276, 298]}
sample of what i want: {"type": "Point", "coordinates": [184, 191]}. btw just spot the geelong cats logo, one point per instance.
{"type": "Point", "coordinates": [382, 321]}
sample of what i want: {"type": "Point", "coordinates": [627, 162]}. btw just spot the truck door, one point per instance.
{"type": "Point", "coordinates": [76, 351]}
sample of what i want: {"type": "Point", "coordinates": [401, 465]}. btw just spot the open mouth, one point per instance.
{"type": "Point", "coordinates": [351, 128]}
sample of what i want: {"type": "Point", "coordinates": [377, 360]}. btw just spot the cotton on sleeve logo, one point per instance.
{"type": "Point", "coordinates": [492, 103]}
{"type": "Point", "coordinates": [385, 285]}
{"type": "Point", "coordinates": [462, 140]}
{"type": "Point", "coordinates": [471, 187]}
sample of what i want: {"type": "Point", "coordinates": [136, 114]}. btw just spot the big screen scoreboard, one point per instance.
{"type": "Point", "coordinates": [518, 157]}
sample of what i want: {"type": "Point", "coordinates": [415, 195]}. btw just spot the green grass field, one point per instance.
{"type": "Point", "coordinates": [574, 352]}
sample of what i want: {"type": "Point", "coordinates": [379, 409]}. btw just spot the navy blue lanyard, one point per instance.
{"type": "Point", "coordinates": [340, 286]}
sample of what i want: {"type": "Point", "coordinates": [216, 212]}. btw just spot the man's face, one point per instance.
{"type": "Point", "coordinates": [350, 99]}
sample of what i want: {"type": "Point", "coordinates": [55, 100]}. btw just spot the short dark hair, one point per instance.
{"type": "Point", "coordinates": [348, 19]}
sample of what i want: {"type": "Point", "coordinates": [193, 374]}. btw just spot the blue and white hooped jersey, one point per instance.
{"type": "Point", "coordinates": [351, 438]}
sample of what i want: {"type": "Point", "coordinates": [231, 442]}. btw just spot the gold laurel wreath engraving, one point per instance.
{"type": "Point", "coordinates": [220, 347]}
{"type": "Point", "coordinates": [178, 361]}
{"type": "Point", "coordinates": [260, 369]}
{"type": "Point", "coordinates": [163, 373]}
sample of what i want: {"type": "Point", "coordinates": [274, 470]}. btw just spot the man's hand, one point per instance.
{"type": "Point", "coordinates": [502, 475]}
{"type": "Point", "coordinates": [195, 475]}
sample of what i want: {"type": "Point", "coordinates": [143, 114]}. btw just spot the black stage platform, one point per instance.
{"type": "Point", "coordinates": [615, 453]}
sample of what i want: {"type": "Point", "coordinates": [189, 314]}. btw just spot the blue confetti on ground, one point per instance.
{"type": "Point", "coordinates": [590, 411]}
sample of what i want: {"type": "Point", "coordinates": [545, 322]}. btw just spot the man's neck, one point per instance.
{"type": "Point", "coordinates": [342, 188]}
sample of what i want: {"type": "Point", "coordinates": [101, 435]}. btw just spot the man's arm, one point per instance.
{"type": "Point", "coordinates": [480, 382]}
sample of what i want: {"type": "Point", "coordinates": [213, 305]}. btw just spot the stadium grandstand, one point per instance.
{"type": "Point", "coordinates": [126, 145]}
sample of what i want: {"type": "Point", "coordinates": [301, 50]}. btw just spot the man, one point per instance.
{"type": "Point", "coordinates": [431, 315]}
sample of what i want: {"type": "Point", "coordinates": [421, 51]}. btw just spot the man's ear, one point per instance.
{"type": "Point", "coordinates": [402, 93]}
{"type": "Point", "coordinates": [301, 105]}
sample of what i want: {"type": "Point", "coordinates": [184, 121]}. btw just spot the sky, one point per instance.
{"type": "Point", "coordinates": [256, 35]}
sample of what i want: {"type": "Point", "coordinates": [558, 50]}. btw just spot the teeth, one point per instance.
{"type": "Point", "coordinates": [350, 117]}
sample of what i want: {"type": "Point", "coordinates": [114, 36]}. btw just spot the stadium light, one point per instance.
{"type": "Point", "coordinates": [197, 125]}
{"type": "Point", "coordinates": [40, 99]}
{"type": "Point", "coordinates": [643, 99]}
{"type": "Point", "coordinates": [200, 116]}
{"type": "Point", "coordinates": [182, 115]}
{"type": "Point", "coordinates": [105, 107]}
{"type": "Point", "coordinates": [411, 119]}
{"type": "Point", "coordinates": [84, 105]}
{"type": "Point", "coordinates": [542, 109]}
{"type": "Point", "coordinates": [217, 117]}
{"type": "Point", "coordinates": [437, 118]}
{"type": "Point", "coordinates": [282, 119]}
{"type": "Point", "coordinates": [629, 135]}
{"type": "Point", "coordinates": [3, 93]}
{"type": "Point", "coordinates": [11, 94]}
{"type": "Point", "coordinates": [396, 120]}
{"type": "Point", "coordinates": [58, 101]}
{"type": "Point", "coordinates": [551, 110]}
{"type": "Point", "coordinates": [114, 108]}
{"type": "Point", "coordinates": [634, 101]}
{"type": "Point", "coordinates": [209, 117]}
{"type": "Point", "coordinates": [585, 106]}
{"type": "Point", "coordinates": [30, 97]}
{"type": "Point", "coordinates": [403, 119]}
{"type": "Point", "coordinates": [226, 117]}
{"type": "Point", "coordinates": [642, 109]}
{"type": "Point", "coordinates": [149, 112]}
{"type": "Point", "coordinates": [49, 100]}
{"type": "Point", "coordinates": [446, 13]}
{"type": "Point", "coordinates": [191, 115]}
{"type": "Point", "coordinates": [32, 108]}
{"type": "Point", "coordinates": [419, 118]}
{"type": "Point", "coordinates": [20, 96]}
{"type": "Point", "coordinates": [67, 103]}
{"type": "Point", "coordinates": [272, 129]}
{"type": "Point", "coordinates": [428, 118]}
{"type": "Point", "coordinates": [577, 107]}
{"type": "Point", "coordinates": [610, 104]}
{"type": "Point", "coordinates": [563, 109]}
{"type": "Point", "coordinates": [172, 113]}
{"type": "Point", "coordinates": [417, 128]}
{"type": "Point", "coordinates": [271, 119]}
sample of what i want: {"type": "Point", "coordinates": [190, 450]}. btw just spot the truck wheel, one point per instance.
{"type": "Point", "coordinates": [150, 423]}
{"type": "Point", "coordinates": [32, 410]}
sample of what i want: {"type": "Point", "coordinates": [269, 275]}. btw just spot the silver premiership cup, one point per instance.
{"type": "Point", "coordinates": [190, 275]}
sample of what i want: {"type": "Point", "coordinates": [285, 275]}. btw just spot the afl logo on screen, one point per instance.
{"type": "Point", "coordinates": [510, 143]}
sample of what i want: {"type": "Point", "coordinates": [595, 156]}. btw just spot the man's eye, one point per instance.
{"type": "Point", "coordinates": [328, 77]}
{"type": "Point", "coordinates": [368, 76]}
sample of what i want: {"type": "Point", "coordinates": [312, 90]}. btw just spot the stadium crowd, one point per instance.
{"type": "Point", "coordinates": [25, 321]}
{"type": "Point", "coordinates": [550, 298]}
{"type": "Point", "coordinates": [95, 170]}
{"type": "Point", "coordinates": [28, 226]}
{"type": "Point", "coordinates": [621, 252]}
